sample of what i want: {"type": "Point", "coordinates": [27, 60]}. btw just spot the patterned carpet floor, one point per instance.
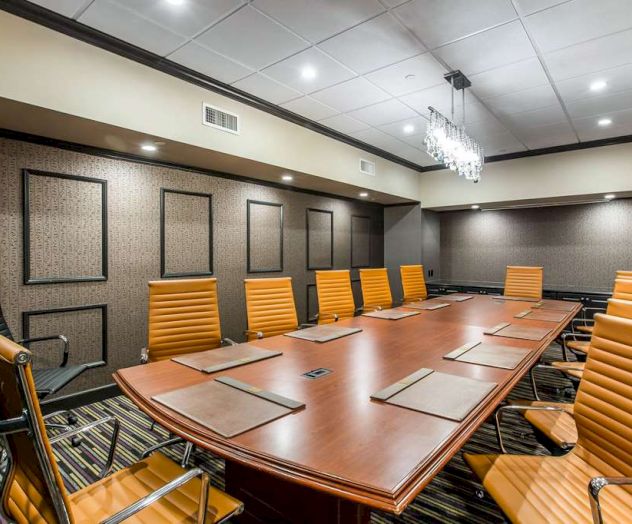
{"type": "Point", "coordinates": [450, 497]}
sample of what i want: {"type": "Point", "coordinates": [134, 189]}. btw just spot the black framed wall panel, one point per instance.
{"type": "Point", "coordinates": [186, 233]}
{"type": "Point", "coordinates": [319, 228]}
{"type": "Point", "coordinates": [64, 228]}
{"type": "Point", "coordinates": [360, 241]}
{"type": "Point", "coordinates": [264, 234]}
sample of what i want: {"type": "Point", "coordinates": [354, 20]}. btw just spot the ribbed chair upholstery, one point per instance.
{"type": "Point", "coordinates": [523, 281]}
{"type": "Point", "coordinates": [35, 494]}
{"type": "Point", "coordinates": [376, 291]}
{"type": "Point", "coordinates": [335, 296]}
{"type": "Point", "coordinates": [183, 317]}
{"type": "Point", "coordinates": [413, 283]}
{"type": "Point", "coordinates": [270, 307]}
{"type": "Point", "coordinates": [547, 489]}
{"type": "Point", "coordinates": [622, 290]}
{"type": "Point", "coordinates": [626, 275]}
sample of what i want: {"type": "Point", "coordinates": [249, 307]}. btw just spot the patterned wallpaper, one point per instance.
{"type": "Point", "coordinates": [578, 245]}
{"type": "Point", "coordinates": [134, 247]}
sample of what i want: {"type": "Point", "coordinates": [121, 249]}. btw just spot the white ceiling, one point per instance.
{"type": "Point", "coordinates": [530, 62]}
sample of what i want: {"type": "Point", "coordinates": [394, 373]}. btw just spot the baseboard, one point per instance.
{"type": "Point", "coordinates": [80, 398]}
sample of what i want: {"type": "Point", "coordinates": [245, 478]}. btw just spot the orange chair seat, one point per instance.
{"type": "Point", "coordinates": [585, 329]}
{"type": "Point", "coordinates": [106, 497]}
{"type": "Point", "coordinates": [545, 489]}
{"type": "Point", "coordinates": [579, 345]}
{"type": "Point", "coordinates": [571, 372]}
{"type": "Point", "coordinates": [557, 426]}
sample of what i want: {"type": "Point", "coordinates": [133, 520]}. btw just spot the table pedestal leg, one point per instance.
{"type": "Point", "coordinates": [272, 500]}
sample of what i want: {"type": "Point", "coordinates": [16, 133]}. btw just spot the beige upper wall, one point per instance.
{"type": "Point", "coordinates": [44, 68]}
{"type": "Point", "coordinates": [592, 171]}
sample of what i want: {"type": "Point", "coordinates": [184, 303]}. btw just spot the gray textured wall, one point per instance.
{"type": "Point", "coordinates": [431, 243]}
{"type": "Point", "coordinates": [134, 247]}
{"type": "Point", "coordinates": [578, 245]}
{"type": "Point", "coordinates": [402, 241]}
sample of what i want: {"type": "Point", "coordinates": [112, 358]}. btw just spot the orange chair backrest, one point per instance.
{"type": "Point", "coordinates": [376, 291]}
{"type": "Point", "coordinates": [335, 296]}
{"type": "Point", "coordinates": [523, 281]}
{"type": "Point", "coordinates": [619, 308]}
{"type": "Point", "coordinates": [270, 306]}
{"type": "Point", "coordinates": [626, 275]}
{"type": "Point", "coordinates": [622, 289]}
{"type": "Point", "coordinates": [413, 282]}
{"type": "Point", "coordinates": [183, 317]}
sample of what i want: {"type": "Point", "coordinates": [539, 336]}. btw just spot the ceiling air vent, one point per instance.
{"type": "Point", "coordinates": [367, 167]}
{"type": "Point", "coordinates": [220, 119]}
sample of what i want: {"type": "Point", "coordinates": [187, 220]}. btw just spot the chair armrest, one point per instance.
{"type": "Point", "coordinates": [306, 325]}
{"type": "Point", "coordinates": [515, 407]}
{"type": "Point", "coordinates": [327, 315]}
{"type": "Point", "coordinates": [534, 386]}
{"type": "Point", "coordinates": [88, 427]}
{"type": "Point", "coordinates": [595, 485]}
{"type": "Point", "coordinates": [161, 492]}
{"type": "Point", "coordinates": [64, 340]}
{"type": "Point", "coordinates": [144, 356]}
{"type": "Point", "coordinates": [575, 336]}
{"type": "Point", "coordinates": [228, 342]}
{"type": "Point", "coordinates": [258, 334]}
{"type": "Point", "coordinates": [594, 309]}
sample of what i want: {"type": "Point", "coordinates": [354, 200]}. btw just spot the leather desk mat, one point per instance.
{"type": "Point", "coordinates": [493, 355]}
{"type": "Point", "coordinates": [436, 393]}
{"type": "Point", "coordinates": [505, 329]}
{"type": "Point", "coordinates": [456, 297]}
{"type": "Point", "coordinates": [323, 333]}
{"type": "Point", "coordinates": [426, 305]}
{"type": "Point", "coordinates": [225, 358]}
{"type": "Point", "coordinates": [517, 299]}
{"type": "Point", "coordinates": [547, 315]}
{"type": "Point", "coordinates": [560, 306]}
{"type": "Point", "coordinates": [391, 314]}
{"type": "Point", "coordinates": [226, 406]}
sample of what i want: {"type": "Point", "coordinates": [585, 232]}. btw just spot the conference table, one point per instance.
{"type": "Point", "coordinates": [344, 453]}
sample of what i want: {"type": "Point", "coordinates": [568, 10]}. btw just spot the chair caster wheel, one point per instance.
{"type": "Point", "coordinates": [480, 494]}
{"type": "Point", "coordinates": [72, 420]}
{"type": "Point", "coordinates": [75, 441]}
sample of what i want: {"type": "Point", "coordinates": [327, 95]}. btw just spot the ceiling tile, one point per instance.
{"type": "Point", "coordinates": [494, 48]}
{"type": "Point", "coordinates": [540, 117]}
{"type": "Point", "coordinates": [352, 94]}
{"type": "Point", "coordinates": [485, 128]}
{"type": "Point", "coordinates": [266, 88]}
{"type": "Point", "coordinates": [379, 42]}
{"type": "Point", "coordinates": [599, 105]}
{"type": "Point", "coordinates": [394, 3]}
{"type": "Point", "coordinates": [578, 21]}
{"type": "Point", "coordinates": [396, 129]}
{"type": "Point", "coordinates": [547, 136]}
{"type": "Point", "coordinates": [309, 108]}
{"type": "Point", "coordinates": [118, 21]}
{"type": "Point", "coordinates": [344, 124]}
{"type": "Point", "coordinates": [438, 97]}
{"type": "Point", "coordinates": [507, 79]}
{"type": "Point", "coordinates": [377, 138]}
{"type": "Point", "coordinates": [252, 39]}
{"type": "Point", "coordinates": [501, 144]}
{"type": "Point", "coordinates": [186, 19]}
{"type": "Point", "coordinates": [531, 6]}
{"type": "Point", "coordinates": [207, 62]}
{"type": "Point", "coordinates": [328, 71]}
{"type": "Point", "coordinates": [439, 22]}
{"type": "Point", "coordinates": [525, 100]}
{"type": "Point", "coordinates": [383, 113]}
{"type": "Point", "coordinates": [597, 55]}
{"type": "Point", "coordinates": [64, 7]}
{"type": "Point", "coordinates": [588, 129]}
{"type": "Point", "coordinates": [618, 79]}
{"type": "Point", "coordinates": [426, 71]}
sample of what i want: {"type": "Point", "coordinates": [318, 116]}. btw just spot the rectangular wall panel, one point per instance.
{"type": "Point", "coordinates": [186, 227]}
{"type": "Point", "coordinates": [64, 228]}
{"type": "Point", "coordinates": [264, 237]}
{"type": "Point", "coordinates": [320, 239]}
{"type": "Point", "coordinates": [360, 241]}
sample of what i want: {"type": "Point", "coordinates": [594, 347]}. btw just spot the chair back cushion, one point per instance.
{"type": "Point", "coordinates": [335, 296]}
{"type": "Point", "coordinates": [413, 283]}
{"type": "Point", "coordinates": [622, 289]}
{"type": "Point", "coordinates": [376, 291]}
{"type": "Point", "coordinates": [27, 497]}
{"type": "Point", "coordinates": [270, 306]}
{"type": "Point", "coordinates": [603, 407]}
{"type": "Point", "coordinates": [625, 275]}
{"type": "Point", "coordinates": [523, 281]}
{"type": "Point", "coordinates": [183, 317]}
{"type": "Point", "coordinates": [619, 308]}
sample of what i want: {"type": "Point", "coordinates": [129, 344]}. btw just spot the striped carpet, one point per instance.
{"type": "Point", "coordinates": [450, 497]}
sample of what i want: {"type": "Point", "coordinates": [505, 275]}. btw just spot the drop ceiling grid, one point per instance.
{"type": "Point", "coordinates": [531, 93]}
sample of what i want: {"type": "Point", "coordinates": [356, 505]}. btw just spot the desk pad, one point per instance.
{"type": "Point", "coordinates": [391, 314]}
{"type": "Point", "coordinates": [517, 299]}
{"type": "Point", "coordinates": [426, 305]}
{"type": "Point", "coordinates": [323, 333]}
{"type": "Point", "coordinates": [560, 306]}
{"type": "Point", "coordinates": [456, 297]}
{"type": "Point", "coordinates": [547, 315]}
{"type": "Point", "coordinates": [493, 355]}
{"type": "Point", "coordinates": [225, 358]}
{"type": "Point", "coordinates": [505, 329]}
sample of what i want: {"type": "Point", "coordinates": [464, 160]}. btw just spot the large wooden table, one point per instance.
{"type": "Point", "coordinates": [344, 453]}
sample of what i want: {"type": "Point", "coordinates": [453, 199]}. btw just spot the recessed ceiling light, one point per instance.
{"type": "Point", "coordinates": [598, 85]}
{"type": "Point", "coordinates": [609, 196]}
{"type": "Point", "coordinates": [308, 72]}
{"type": "Point", "coordinates": [175, 2]}
{"type": "Point", "coordinates": [603, 122]}
{"type": "Point", "coordinates": [287, 178]}
{"type": "Point", "coordinates": [149, 147]}
{"type": "Point", "coordinates": [475, 206]}
{"type": "Point", "coordinates": [364, 194]}
{"type": "Point", "coordinates": [409, 128]}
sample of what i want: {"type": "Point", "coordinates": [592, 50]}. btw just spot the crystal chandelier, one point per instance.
{"type": "Point", "coordinates": [448, 143]}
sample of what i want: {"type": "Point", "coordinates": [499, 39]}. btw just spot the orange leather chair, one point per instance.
{"type": "Point", "coordinates": [622, 289]}
{"type": "Point", "coordinates": [523, 281]}
{"type": "Point", "coordinates": [34, 491]}
{"type": "Point", "coordinates": [376, 291]}
{"type": "Point", "coordinates": [589, 479]}
{"type": "Point", "coordinates": [413, 283]}
{"type": "Point", "coordinates": [624, 274]}
{"type": "Point", "coordinates": [270, 307]}
{"type": "Point", "coordinates": [335, 296]}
